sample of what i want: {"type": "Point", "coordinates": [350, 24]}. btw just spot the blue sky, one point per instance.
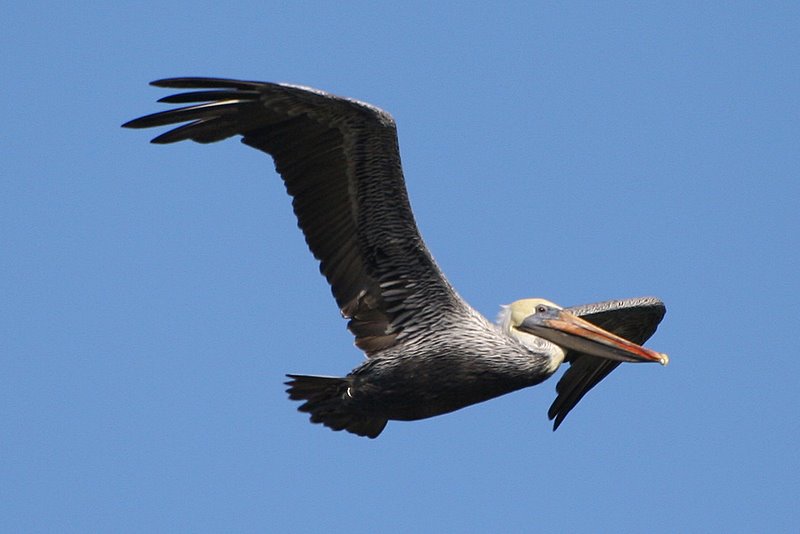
{"type": "Point", "coordinates": [152, 298]}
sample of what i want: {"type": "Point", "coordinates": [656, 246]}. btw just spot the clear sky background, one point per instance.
{"type": "Point", "coordinates": [152, 298]}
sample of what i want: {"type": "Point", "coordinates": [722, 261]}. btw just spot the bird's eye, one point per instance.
{"type": "Point", "coordinates": [541, 308]}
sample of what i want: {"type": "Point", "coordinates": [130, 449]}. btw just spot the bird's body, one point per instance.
{"type": "Point", "coordinates": [428, 352]}
{"type": "Point", "coordinates": [430, 375]}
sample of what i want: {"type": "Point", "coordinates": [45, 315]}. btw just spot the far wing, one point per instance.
{"type": "Point", "coordinates": [633, 319]}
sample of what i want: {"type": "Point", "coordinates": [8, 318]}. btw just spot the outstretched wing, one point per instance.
{"type": "Point", "coordinates": [340, 162]}
{"type": "Point", "coordinates": [633, 319]}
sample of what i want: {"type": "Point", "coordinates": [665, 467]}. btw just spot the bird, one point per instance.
{"type": "Point", "coordinates": [428, 352]}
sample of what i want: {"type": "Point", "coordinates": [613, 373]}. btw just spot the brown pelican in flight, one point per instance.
{"type": "Point", "coordinates": [428, 352]}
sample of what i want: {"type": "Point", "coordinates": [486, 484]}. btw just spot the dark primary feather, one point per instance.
{"type": "Point", "coordinates": [340, 162]}
{"type": "Point", "coordinates": [633, 319]}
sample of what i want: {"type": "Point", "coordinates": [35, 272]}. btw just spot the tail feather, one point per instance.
{"type": "Point", "coordinates": [327, 400]}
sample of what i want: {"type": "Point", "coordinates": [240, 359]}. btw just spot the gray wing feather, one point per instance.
{"type": "Point", "coordinates": [633, 319]}
{"type": "Point", "coordinates": [340, 162]}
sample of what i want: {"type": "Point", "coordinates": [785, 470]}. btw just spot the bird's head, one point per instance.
{"type": "Point", "coordinates": [514, 314]}
{"type": "Point", "coordinates": [541, 325]}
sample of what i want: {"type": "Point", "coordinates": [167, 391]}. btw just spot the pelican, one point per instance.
{"type": "Point", "coordinates": [427, 351]}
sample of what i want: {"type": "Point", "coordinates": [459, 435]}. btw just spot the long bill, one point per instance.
{"type": "Point", "coordinates": [571, 332]}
